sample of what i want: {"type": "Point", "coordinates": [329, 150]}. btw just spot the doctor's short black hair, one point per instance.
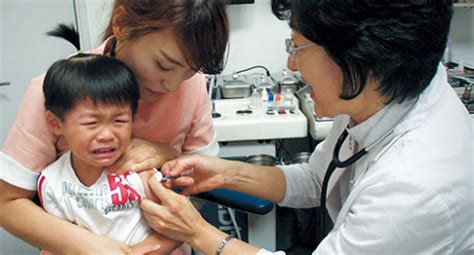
{"type": "Point", "coordinates": [88, 76]}
{"type": "Point", "coordinates": [397, 42]}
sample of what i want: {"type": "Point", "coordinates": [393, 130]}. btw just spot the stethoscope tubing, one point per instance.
{"type": "Point", "coordinates": [335, 163]}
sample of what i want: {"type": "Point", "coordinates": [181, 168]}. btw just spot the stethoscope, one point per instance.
{"type": "Point", "coordinates": [337, 163]}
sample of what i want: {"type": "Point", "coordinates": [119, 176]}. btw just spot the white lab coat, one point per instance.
{"type": "Point", "coordinates": [411, 194]}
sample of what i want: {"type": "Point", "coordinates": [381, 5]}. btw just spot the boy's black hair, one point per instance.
{"type": "Point", "coordinates": [399, 42]}
{"type": "Point", "coordinates": [87, 76]}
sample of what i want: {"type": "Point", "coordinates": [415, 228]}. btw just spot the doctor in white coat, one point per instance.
{"type": "Point", "coordinates": [396, 171]}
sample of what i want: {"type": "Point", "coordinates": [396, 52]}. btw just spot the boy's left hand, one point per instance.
{"type": "Point", "coordinates": [142, 155]}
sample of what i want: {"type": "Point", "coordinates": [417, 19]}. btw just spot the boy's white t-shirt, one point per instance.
{"type": "Point", "coordinates": [109, 207]}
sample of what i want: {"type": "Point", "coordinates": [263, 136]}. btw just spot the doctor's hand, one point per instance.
{"type": "Point", "coordinates": [198, 173]}
{"type": "Point", "coordinates": [176, 217]}
{"type": "Point", "coordinates": [142, 155]}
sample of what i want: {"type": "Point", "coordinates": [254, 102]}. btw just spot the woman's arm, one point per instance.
{"type": "Point", "coordinates": [262, 181]}
{"type": "Point", "coordinates": [21, 217]}
{"type": "Point", "coordinates": [209, 239]}
{"type": "Point", "coordinates": [210, 173]}
{"type": "Point", "coordinates": [142, 155]}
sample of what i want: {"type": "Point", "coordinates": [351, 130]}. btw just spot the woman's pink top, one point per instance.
{"type": "Point", "coordinates": [181, 119]}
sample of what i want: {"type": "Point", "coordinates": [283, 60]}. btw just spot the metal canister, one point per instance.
{"type": "Point", "coordinates": [262, 160]}
{"type": "Point", "coordinates": [300, 157]}
{"type": "Point", "coordinates": [286, 81]}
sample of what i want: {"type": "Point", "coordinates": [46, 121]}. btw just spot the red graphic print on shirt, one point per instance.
{"type": "Point", "coordinates": [121, 192]}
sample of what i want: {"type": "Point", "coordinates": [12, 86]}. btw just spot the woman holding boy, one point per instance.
{"type": "Point", "coordinates": [165, 44]}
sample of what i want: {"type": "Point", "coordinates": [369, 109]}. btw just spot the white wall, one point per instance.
{"type": "Point", "coordinates": [25, 52]}
{"type": "Point", "coordinates": [257, 37]}
{"type": "Point", "coordinates": [462, 36]}
{"type": "Point", "coordinates": [93, 17]}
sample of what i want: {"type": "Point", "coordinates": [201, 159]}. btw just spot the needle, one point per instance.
{"type": "Point", "coordinates": [159, 176]}
{"type": "Point", "coordinates": [166, 178]}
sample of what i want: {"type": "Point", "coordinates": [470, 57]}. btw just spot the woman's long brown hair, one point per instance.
{"type": "Point", "coordinates": [200, 26]}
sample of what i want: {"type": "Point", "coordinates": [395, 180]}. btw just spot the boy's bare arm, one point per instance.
{"type": "Point", "coordinates": [144, 176]}
{"type": "Point", "coordinates": [167, 245]}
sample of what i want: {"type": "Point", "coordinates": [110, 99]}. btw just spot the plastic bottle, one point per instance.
{"type": "Point", "coordinates": [264, 99]}
{"type": "Point", "coordinates": [288, 98]}
{"type": "Point", "coordinates": [255, 99]}
{"type": "Point", "coordinates": [271, 96]}
{"type": "Point", "coordinates": [271, 100]}
{"type": "Point", "coordinates": [278, 100]}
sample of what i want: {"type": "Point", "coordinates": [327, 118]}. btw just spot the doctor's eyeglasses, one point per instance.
{"type": "Point", "coordinates": [291, 49]}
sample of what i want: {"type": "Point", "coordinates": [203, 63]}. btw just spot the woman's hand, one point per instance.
{"type": "Point", "coordinates": [205, 173]}
{"type": "Point", "coordinates": [107, 245]}
{"type": "Point", "coordinates": [142, 155]}
{"type": "Point", "coordinates": [176, 217]}
{"type": "Point", "coordinates": [144, 249]}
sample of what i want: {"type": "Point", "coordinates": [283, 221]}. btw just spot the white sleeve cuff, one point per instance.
{"type": "Point", "coordinates": [16, 174]}
{"type": "Point", "coordinates": [301, 191]}
{"type": "Point", "coordinates": [212, 149]}
{"type": "Point", "coordinates": [289, 180]}
{"type": "Point", "coordinates": [265, 252]}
